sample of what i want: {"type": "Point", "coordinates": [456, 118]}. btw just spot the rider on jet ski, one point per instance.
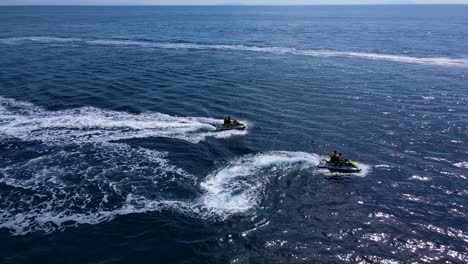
{"type": "Point", "coordinates": [337, 163]}
{"type": "Point", "coordinates": [342, 160]}
{"type": "Point", "coordinates": [337, 159]}
{"type": "Point", "coordinates": [229, 122]}
{"type": "Point", "coordinates": [334, 159]}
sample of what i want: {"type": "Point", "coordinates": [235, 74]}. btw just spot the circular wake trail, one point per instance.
{"type": "Point", "coordinates": [77, 174]}
{"type": "Point", "coordinates": [238, 186]}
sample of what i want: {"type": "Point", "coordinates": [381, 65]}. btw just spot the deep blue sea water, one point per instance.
{"type": "Point", "coordinates": [107, 154]}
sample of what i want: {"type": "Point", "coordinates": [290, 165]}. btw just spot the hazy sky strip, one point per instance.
{"type": "Point", "coordinates": [218, 2]}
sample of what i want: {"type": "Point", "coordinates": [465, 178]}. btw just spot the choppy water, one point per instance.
{"type": "Point", "coordinates": [107, 152]}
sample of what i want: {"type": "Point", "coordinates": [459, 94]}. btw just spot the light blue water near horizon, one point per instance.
{"type": "Point", "coordinates": [107, 153]}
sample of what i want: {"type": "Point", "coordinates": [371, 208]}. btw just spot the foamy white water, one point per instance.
{"type": "Point", "coordinates": [463, 164]}
{"type": "Point", "coordinates": [62, 182]}
{"type": "Point", "coordinates": [59, 188]}
{"type": "Point", "coordinates": [435, 61]}
{"type": "Point", "coordinates": [365, 170]}
{"type": "Point", "coordinates": [237, 187]}
{"type": "Point", "coordinates": [88, 124]}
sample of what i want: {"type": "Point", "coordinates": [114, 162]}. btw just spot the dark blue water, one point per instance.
{"type": "Point", "coordinates": [107, 154]}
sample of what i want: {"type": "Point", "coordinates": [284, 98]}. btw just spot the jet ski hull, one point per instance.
{"type": "Point", "coordinates": [338, 168]}
{"type": "Point", "coordinates": [238, 126]}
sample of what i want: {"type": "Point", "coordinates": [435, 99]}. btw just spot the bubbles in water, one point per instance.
{"type": "Point", "coordinates": [86, 184]}
{"type": "Point", "coordinates": [237, 187]}
{"type": "Point", "coordinates": [77, 173]}
{"type": "Point", "coordinates": [463, 164]}
{"type": "Point", "coordinates": [88, 124]}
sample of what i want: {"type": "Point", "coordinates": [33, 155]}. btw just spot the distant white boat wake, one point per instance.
{"type": "Point", "coordinates": [434, 61]}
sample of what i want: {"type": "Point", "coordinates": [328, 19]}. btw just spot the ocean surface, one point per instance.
{"type": "Point", "coordinates": [108, 153]}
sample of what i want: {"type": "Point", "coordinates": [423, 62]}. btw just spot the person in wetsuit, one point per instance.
{"type": "Point", "coordinates": [227, 121]}
{"type": "Point", "coordinates": [334, 158]}
{"type": "Point", "coordinates": [342, 161]}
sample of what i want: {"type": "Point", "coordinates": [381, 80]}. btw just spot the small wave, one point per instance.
{"type": "Point", "coordinates": [447, 231]}
{"type": "Point", "coordinates": [237, 187]}
{"type": "Point", "coordinates": [45, 39]}
{"type": "Point", "coordinates": [438, 159]}
{"type": "Point", "coordinates": [365, 170]}
{"type": "Point", "coordinates": [51, 39]}
{"type": "Point", "coordinates": [420, 178]}
{"type": "Point", "coordinates": [383, 166]}
{"type": "Point", "coordinates": [463, 165]}
{"type": "Point", "coordinates": [434, 61]}
{"type": "Point", "coordinates": [88, 124]}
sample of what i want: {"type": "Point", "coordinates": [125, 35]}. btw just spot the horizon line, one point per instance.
{"type": "Point", "coordinates": [227, 4]}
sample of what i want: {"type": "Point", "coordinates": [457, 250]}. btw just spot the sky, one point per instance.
{"type": "Point", "coordinates": [219, 2]}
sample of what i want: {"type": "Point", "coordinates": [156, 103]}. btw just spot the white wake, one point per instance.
{"type": "Point", "coordinates": [89, 124]}
{"type": "Point", "coordinates": [435, 61]}
{"type": "Point", "coordinates": [83, 177]}
{"type": "Point", "coordinates": [238, 186]}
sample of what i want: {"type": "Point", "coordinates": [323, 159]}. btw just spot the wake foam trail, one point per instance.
{"type": "Point", "coordinates": [90, 125]}
{"type": "Point", "coordinates": [80, 175]}
{"type": "Point", "coordinates": [238, 187]}
{"type": "Point", "coordinates": [60, 187]}
{"type": "Point", "coordinates": [63, 189]}
{"type": "Point", "coordinates": [435, 61]}
{"type": "Point", "coordinates": [88, 184]}
{"type": "Point", "coordinates": [44, 39]}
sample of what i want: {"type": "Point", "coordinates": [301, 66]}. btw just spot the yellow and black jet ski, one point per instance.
{"type": "Point", "coordinates": [235, 125]}
{"type": "Point", "coordinates": [344, 167]}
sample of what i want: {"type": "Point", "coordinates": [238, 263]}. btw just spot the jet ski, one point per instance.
{"type": "Point", "coordinates": [236, 125]}
{"type": "Point", "coordinates": [347, 167]}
